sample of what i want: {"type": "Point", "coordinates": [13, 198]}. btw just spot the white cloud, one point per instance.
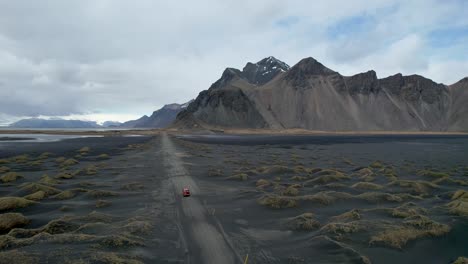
{"type": "Point", "coordinates": [95, 57]}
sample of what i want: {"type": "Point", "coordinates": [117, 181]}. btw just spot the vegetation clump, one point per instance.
{"type": "Point", "coordinates": [277, 202]}
{"type": "Point", "coordinates": [69, 162]}
{"type": "Point", "coordinates": [215, 172]}
{"type": "Point", "coordinates": [379, 197]}
{"type": "Point", "coordinates": [102, 203]}
{"type": "Point", "coordinates": [412, 229]}
{"type": "Point", "coordinates": [347, 216]}
{"type": "Point", "coordinates": [376, 165]}
{"type": "Point", "coordinates": [103, 156]}
{"type": "Point", "coordinates": [433, 174]}
{"type": "Point", "coordinates": [11, 220]}
{"type": "Point", "coordinates": [10, 177]}
{"type": "Point", "coordinates": [133, 186]}
{"type": "Point", "coordinates": [37, 196]}
{"type": "Point", "coordinates": [262, 182]}
{"type": "Point", "coordinates": [291, 191]}
{"type": "Point", "coordinates": [418, 187]}
{"type": "Point", "coordinates": [326, 176]}
{"type": "Point", "coordinates": [303, 222]}
{"type": "Point", "coordinates": [33, 187]}
{"type": "Point", "coordinates": [101, 193]}
{"type": "Point", "coordinates": [461, 260]}
{"type": "Point", "coordinates": [4, 169]}
{"type": "Point", "coordinates": [68, 194]}
{"type": "Point", "coordinates": [367, 186]}
{"type": "Point", "coordinates": [459, 203]}
{"type": "Point", "coordinates": [365, 174]}
{"type": "Point", "coordinates": [239, 177]}
{"type": "Point", "coordinates": [8, 203]}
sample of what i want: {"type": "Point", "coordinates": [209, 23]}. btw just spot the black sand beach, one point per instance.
{"type": "Point", "coordinates": [271, 199]}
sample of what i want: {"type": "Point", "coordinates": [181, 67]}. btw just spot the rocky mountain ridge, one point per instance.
{"type": "Point", "coordinates": [311, 96]}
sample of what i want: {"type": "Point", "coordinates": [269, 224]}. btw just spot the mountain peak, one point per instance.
{"type": "Point", "coordinates": [264, 70]}
{"type": "Point", "coordinates": [312, 67]}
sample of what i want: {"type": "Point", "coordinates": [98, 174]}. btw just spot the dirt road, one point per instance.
{"type": "Point", "coordinates": [205, 241]}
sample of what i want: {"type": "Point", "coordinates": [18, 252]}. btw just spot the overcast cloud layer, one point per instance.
{"type": "Point", "coordinates": [115, 60]}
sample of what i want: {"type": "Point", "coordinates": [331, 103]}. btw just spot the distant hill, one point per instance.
{"type": "Point", "coordinates": [270, 94]}
{"type": "Point", "coordinates": [53, 123]}
{"type": "Point", "coordinates": [111, 124]}
{"type": "Point", "coordinates": [159, 119]}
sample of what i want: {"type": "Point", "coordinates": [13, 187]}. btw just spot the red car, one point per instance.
{"type": "Point", "coordinates": [185, 192]}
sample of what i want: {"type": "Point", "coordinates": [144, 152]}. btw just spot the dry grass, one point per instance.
{"type": "Point", "coordinates": [9, 203]}
{"type": "Point", "coordinates": [414, 228]}
{"type": "Point", "coordinates": [11, 220]}
{"type": "Point", "coordinates": [303, 222]}
{"type": "Point", "coordinates": [291, 191]}
{"type": "Point", "coordinates": [347, 216]}
{"type": "Point", "coordinates": [367, 186]}
{"type": "Point", "coordinates": [459, 203]}
{"type": "Point", "coordinates": [376, 165]}
{"type": "Point", "coordinates": [10, 177]}
{"type": "Point", "coordinates": [418, 187]}
{"type": "Point", "coordinates": [277, 202]}
{"type": "Point", "coordinates": [262, 183]}
{"type": "Point", "coordinates": [37, 196]}
{"type": "Point", "coordinates": [33, 187]}
{"type": "Point", "coordinates": [4, 169]}
{"type": "Point", "coordinates": [239, 177]}
{"type": "Point", "coordinates": [433, 174]}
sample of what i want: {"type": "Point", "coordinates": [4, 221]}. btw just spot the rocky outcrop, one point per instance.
{"type": "Point", "coordinates": [311, 96]}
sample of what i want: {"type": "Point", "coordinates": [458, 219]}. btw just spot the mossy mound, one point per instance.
{"type": "Point", "coordinates": [60, 159]}
{"type": "Point", "coordinates": [325, 177]}
{"type": "Point", "coordinates": [418, 187]}
{"type": "Point", "coordinates": [461, 260]}
{"type": "Point", "coordinates": [8, 203]}
{"type": "Point", "coordinates": [433, 174]}
{"type": "Point", "coordinates": [376, 165]}
{"type": "Point", "coordinates": [138, 227]}
{"type": "Point", "coordinates": [367, 186]}
{"type": "Point", "coordinates": [325, 197]}
{"type": "Point", "coordinates": [11, 220]}
{"type": "Point", "coordinates": [37, 196]}
{"type": "Point", "coordinates": [262, 183]}
{"type": "Point", "coordinates": [102, 193]}
{"type": "Point", "coordinates": [68, 194]}
{"type": "Point", "coordinates": [44, 155]}
{"type": "Point", "coordinates": [120, 241]}
{"type": "Point", "coordinates": [102, 203]}
{"type": "Point", "coordinates": [4, 169]}
{"type": "Point", "coordinates": [239, 177]}
{"type": "Point", "coordinates": [339, 229]}
{"type": "Point", "coordinates": [376, 197]}
{"type": "Point", "coordinates": [103, 156]}
{"type": "Point", "coordinates": [20, 158]}
{"type": "Point", "coordinates": [459, 203]}
{"type": "Point", "coordinates": [407, 210]}
{"type": "Point", "coordinates": [84, 150]}
{"type": "Point", "coordinates": [91, 170]}
{"type": "Point", "coordinates": [303, 222]}
{"type": "Point", "coordinates": [298, 178]}
{"type": "Point", "coordinates": [10, 177]}
{"type": "Point", "coordinates": [215, 172]}
{"type": "Point", "coordinates": [64, 175]}
{"type": "Point", "coordinates": [69, 162]}
{"type": "Point", "coordinates": [46, 179]}
{"type": "Point", "coordinates": [33, 187]}
{"type": "Point", "coordinates": [291, 191]}
{"type": "Point", "coordinates": [347, 216]}
{"type": "Point", "coordinates": [275, 169]}
{"type": "Point", "coordinates": [60, 226]}
{"type": "Point", "coordinates": [365, 174]}
{"type": "Point", "coordinates": [412, 229]}
{"type": "Point", "coordinates": [277, 202]}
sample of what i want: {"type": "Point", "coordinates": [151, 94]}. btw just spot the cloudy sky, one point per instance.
{"type": "Point", "coordinates": [119, 59]}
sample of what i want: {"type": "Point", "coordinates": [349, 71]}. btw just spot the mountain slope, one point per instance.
{"type": "Point", "coordinates": [159, 119]}
{"type": "Point", "coordinates": [53, 123]}
{"type": "Point", "coordinates": [312, 96]}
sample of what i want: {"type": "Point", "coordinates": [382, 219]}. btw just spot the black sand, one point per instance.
{"type": "Point", "coordinates": [290, 199]}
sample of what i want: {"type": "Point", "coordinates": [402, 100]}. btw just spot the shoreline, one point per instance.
{"type": "Point", "coordinates": [291, 132]}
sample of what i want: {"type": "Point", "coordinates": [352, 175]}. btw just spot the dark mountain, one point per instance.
{"type": "Point", "coordinates": [159, 119]}
{"type": "Point", "coordinates": [53, 123]}
{"type": "Point", "coordinates": [311, 96]}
